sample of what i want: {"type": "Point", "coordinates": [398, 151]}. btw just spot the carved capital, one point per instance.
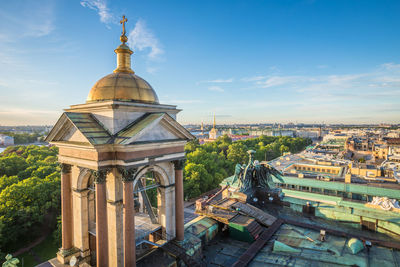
{"type": "Point", "coordinates": [100, 175]}
{"type": "Point", "coordinates": [65, 168]}
{"type": "Point", "coordinates": [179, 164]}
{"type": "Point", "coordinates": [128, 174]}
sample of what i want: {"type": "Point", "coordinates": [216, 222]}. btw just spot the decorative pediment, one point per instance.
{"type": "Point", "coordinates": [152, 127]}
{"type": "Point", "coordinates": [85, 128]}
{"type": "Point", "coordinates": [78, 128]}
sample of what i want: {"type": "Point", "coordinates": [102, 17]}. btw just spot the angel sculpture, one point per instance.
{"type": "Point", "coordinates": [255, 176]}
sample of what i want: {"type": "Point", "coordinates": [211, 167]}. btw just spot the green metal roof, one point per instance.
{"type": "Point", "coordinates": [89, 127]}
{"type": "Point", "coordinates": [306, 250]}
{"type": "Point", "coordinates": [332, 202]}
{"type": "Point", "coordinates": [343, 187]}
{"type": "Point", "coordinates": [330, 185]}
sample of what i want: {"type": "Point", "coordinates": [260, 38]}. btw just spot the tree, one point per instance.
{"type": "Point", "coordinates": [43, 171]}
{"type": "Point", "coordinates": [192, 145]}
{"type": "Point", "coordinates": [23, 205]}
{"type": "Point", "coordinates": [283, 149]}
{"type": "Point", "coordinates": [29, 189]}
{"type": "Point", "coordinates": [12, 164]}
{"type": "Point", "coordinates": [6, 181]}
{"type": "Point", "coordinates": [197, 180]}
{"type": "Point", "coordinates": [237, 153]}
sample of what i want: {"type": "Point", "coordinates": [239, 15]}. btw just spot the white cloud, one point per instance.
{"type": "Point", "coordinates": [280, 80]}
{"type": "Point", "coordinates": [141, 38]}
{"type": "Point", "coordinates": [100, 6]}
{"type": "Point", "coordinates": [216, 89]}
{"type": "Point", "coordinates": [254, 78]}
{"type": "Point", "coordinates": [391, 66]}
{"type": "Point", "coordinates": [220, 81]}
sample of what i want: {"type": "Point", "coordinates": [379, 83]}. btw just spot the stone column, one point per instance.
{"type": "Point", "coordinates": [128, 176]}
{"type": "Point", "coordinates": [81, 221]}
{"type": "Point", "coordinates": [101, 218]}
{"type": "Point", "coordinates": [179, 208]}
{"type": "Point", "coordinates": [115, 219]}
{"type": "Point", "coordinates": [166, 207]}
{"type": "Point", "coordinates": [66, 209]}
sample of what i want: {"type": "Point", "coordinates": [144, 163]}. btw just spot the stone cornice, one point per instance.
{"type": "Point", "coordinates": [114, 104]}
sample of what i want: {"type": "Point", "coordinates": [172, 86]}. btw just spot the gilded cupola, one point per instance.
{"type": "Point", "coordinates": [123, 84]}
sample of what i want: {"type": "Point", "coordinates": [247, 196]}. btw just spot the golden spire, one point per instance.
{"type": "Point", "coordinates": [123, 52]}
{"type": "Point", "coordinates": [214, 122]}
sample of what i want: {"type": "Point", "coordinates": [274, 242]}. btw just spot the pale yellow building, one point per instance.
{"type": "Point", "coordinates": [213, 134]}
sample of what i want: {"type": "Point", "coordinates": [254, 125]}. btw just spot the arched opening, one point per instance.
{"type": "Point", "coordinates": [147, 196]}
{"type": "Point", "coordinates": [154, 197]}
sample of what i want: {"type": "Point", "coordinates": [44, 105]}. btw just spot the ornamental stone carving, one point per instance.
{"type": "Point", "coordinates": [100, 175]}
{"type": "Point", "coordinates": [128, 174]}
{"type": "Point", "coordinates": [179, 164]}
{"type": "Point", "coordinates": [65, 168]}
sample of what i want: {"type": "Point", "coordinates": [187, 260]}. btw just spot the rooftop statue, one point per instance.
{"type": "Point", "coordinates": [10, 261]}
{"type": "Point", "coordinates": [255, 175]}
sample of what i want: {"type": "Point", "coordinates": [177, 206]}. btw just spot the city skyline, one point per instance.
{"type": "Point", "coordinates": [305, 61]}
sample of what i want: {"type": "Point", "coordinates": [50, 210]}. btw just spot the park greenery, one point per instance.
{"type": "Point", "coordinates": [208, 164]}
{"type": "Point", "coordinates": [29, 194]}
{"type": "Point", "coordinates": [30, 181]}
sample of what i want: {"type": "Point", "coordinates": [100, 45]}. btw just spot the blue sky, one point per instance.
{"type": "Point", "coordinates": [247, 61]}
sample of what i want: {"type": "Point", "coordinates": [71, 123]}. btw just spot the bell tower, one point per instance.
{"type": "Point", "coordinates": [114, 148]}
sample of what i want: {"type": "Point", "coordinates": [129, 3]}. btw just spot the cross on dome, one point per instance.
{"type": "Point", "coordinates": [123, 24]}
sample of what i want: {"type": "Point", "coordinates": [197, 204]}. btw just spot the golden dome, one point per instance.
{"type": "Point", "coordinates": [123, 84]}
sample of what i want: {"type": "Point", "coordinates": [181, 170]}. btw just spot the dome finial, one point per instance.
{"type": "Point", "coordinates": [123, 52]}
{"type": "Point", "coordinates": [123, 37]}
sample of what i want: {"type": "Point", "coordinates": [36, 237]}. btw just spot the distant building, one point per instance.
{"type": "Point", "coordinates": [360, 144]}
{"type": "Point", "coordinates": [380, 151]}
{"type": "Point", "coordinates": [6, 140]}
{"type": "Point", "coordinates": [308, 134]}
{"type": "Point", "coordinates": [365, 170]}
{"type": "Point", "coordinates": [393, 135]}
{"type": "Point", "coordinates": [280, 132]}
{"type": "Point", "coordinates": [394, 146]}
{"type": "Point", "coordinates": [213, 134]}
{"type": "Point", "coordinates": [335, 136]}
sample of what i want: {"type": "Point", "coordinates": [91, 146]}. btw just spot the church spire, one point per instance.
{"type": "Point", "coordinates": [214, 122]}
{"type": "Point", "coordinates": [123, 51]}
